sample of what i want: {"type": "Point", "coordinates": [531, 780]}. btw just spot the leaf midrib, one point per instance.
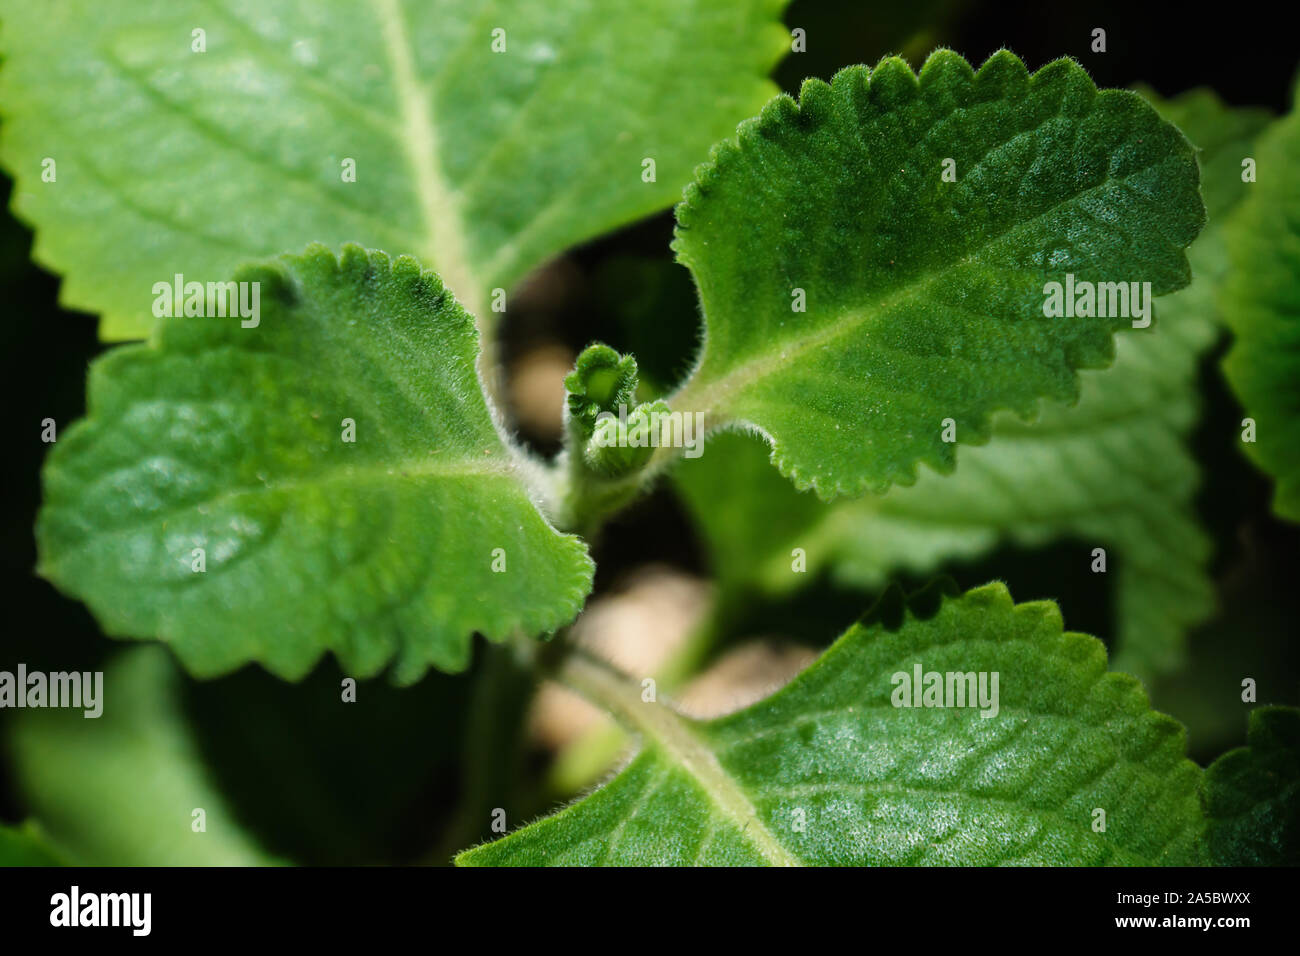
{"type": "Point", "coordinates": [397, 471]}
{"type": "Point", "coordinates": [709, 395]}
{"type": "Point", "coordinates": [671, 736]}
{"type": "Point", "coordinates": [443, 244]}
{"type": "Point", "coordinates": [1028, 716]}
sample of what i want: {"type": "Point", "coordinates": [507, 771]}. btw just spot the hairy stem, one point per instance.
{"type": "Point", "coordinates": [588, 500]}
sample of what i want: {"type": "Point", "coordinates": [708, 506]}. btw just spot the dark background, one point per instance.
{"type": "Point", "coordinates": [1248, 54]}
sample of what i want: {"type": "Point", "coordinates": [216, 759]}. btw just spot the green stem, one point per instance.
{"type": "Point", "coordinates": [603, 466]}
{"type": "Point", "coordinates": [588, 500]}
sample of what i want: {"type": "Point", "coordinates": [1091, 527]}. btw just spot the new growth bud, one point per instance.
{"type": "Point", "coordinates": [602, 380]}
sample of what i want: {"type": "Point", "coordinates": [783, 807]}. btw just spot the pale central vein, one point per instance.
{"type": "Point", "coordinates": [712, 396]}
{"type": "Point", "coordinates": [395, 473]}
{"type": "Point", "coordinates": [443, 243]}
{"type": "Point", "coordinates": [668, 731]}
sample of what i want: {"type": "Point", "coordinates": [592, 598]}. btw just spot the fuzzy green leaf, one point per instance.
{"type": "Point", "coordinates": [235, 440]}
{"type": "Point", "coordinates": [1261, 303]}
{"type": "Point", "coordinates": [924, 298]}
{"type": "Point", "coordinates": [121, 789]}
{"type": "Point", "coordinates": [1252, 795]}
{"type": "Point", "coordinates": [827, 771]}
{"type": "Point", "coordinates": [482, 164]}
{"type": "Point", "coordinates": [1112, 472]}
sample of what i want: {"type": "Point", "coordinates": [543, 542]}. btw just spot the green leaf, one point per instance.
{"type": "Point", "coordinates": [1114, 471]}
{"type": "Point", "coordinates": [234, 440]}
{"type": "Point", "coordinates": [121, 789]}
{"type": "Point", "coordinates": [26, 846]}
{"type": "Point", "coordinates": [826, 771]}
{"type": "Point", "coordinates": [481, 164]}
{"type": "Point", "coordinates": [1252, 795]}
{"type": "Point", "coordinates": [924, 298]}
{"type": "Point", "coordinates": [1261, 303]}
